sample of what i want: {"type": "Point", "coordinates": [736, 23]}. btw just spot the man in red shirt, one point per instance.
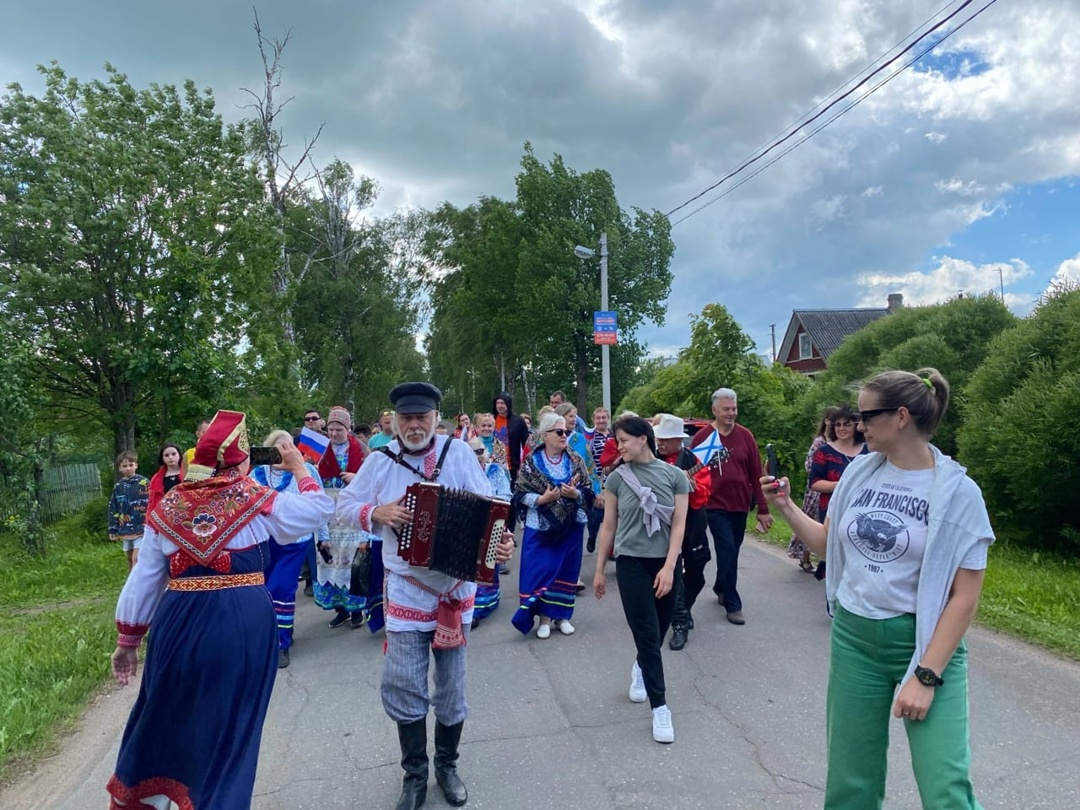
{"type": "Point", "coordinates": [735, 486]}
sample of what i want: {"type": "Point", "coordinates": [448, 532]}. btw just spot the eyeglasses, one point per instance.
{"type": "Point", "coordinates": [866, 416]}
{"type": "Point", "coordinates": [312, 418]}
{"type": "Point", "coordinates": [560, 432]}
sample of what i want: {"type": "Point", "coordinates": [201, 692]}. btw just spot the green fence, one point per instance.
{"type": "Point", "coordinates": [68, 488]}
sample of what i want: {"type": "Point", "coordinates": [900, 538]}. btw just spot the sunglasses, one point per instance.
{"type": "Point", "coordinates": [479, 452]}
{"type": "Point", "coordinates": [312, 418]}
{"type": "Point", "coordinates": [866, 416]}
{"type": "Point", "coordinates": [387, 413]}
{"type": "Point", "coordinates": [843, 424]}
{"type": "Point", "coordinates": [560, 432]}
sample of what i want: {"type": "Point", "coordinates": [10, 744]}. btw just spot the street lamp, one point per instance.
{"type": "Point", "coordinates": [583, 252]}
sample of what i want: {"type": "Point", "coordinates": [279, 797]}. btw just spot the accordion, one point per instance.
{"type": "Point", "coordinates": [453, 531]}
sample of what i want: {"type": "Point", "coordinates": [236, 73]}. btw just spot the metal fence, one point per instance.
{"type": "Point", "coordinates": [68, 488]}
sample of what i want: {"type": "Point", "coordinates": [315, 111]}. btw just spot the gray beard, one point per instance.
{"type": "Point", "coordinates": [417, 446]}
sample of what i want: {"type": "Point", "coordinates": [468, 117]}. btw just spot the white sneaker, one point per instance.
{"type": "Point", "coordinates": [662, 730]}
{"type": "Point", "coordinates": [566, 628]}
{"type": "Point", "coordinates": [637, 685]}
{"type": "Point", "coordinates": [543, 631]}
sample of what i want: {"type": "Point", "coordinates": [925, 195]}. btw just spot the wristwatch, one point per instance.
{"type": "Point", "coordinates": [927, 677]}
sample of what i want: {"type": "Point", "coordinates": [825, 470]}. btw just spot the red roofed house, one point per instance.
{"type": "Point", "coordinates": [813, 334]}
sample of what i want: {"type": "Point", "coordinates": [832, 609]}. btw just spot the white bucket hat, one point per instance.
{"type": "Point", "coordinates": [669, 427]}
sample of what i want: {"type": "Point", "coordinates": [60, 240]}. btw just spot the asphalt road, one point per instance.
{"type": "Point", "coordinates": [551, 725]}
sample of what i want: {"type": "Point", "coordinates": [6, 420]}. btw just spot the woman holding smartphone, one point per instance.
{"type": "Point", "coordinates": [906, 541]}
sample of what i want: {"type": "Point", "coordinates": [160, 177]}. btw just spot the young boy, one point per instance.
{"type": "Point", "coordinates": [127, 506]}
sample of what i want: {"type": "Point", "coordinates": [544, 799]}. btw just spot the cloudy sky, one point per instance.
{"type": "Point", "coordinates": [958, 174]}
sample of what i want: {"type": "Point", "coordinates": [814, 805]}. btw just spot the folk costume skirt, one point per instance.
{"type": "Point", "coordinates": [549, 574]}
{"type": "Point", "coordinates": [194, 732]}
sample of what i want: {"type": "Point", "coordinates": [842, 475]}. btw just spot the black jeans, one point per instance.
{"type": "Point", "coordinates": [596, 517]}
{"type": "Point", "coordinates": [648, 617]}
{"type": "Point", "coordinates": [728, 530]}
{"type": "Point", "coordinates": [690, 579]}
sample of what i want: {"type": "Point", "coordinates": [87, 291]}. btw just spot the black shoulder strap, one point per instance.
{"type": "Point", "coordinates": [399, 459]}
{"type": "Point", "coordinates": [442, 458]}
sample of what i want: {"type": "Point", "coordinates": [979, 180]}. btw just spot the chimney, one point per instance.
{"type": "Point", "coordinates": [896, 301]}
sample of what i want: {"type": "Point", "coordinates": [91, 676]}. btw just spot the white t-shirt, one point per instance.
{"type": "Point", "coordinates": [884, 532]}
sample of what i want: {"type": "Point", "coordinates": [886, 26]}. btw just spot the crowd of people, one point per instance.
{"type": "Point", "coordinates": [646, 492]}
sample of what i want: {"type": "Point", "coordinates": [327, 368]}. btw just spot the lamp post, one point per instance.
{"type": "Point", "coordinates": [1001, 279]}
{"type": "Point", "coordinates": [605, 350]}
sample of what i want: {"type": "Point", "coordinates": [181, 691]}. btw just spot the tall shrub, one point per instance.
{"type": "Point", "coordinates": [1020, 437]}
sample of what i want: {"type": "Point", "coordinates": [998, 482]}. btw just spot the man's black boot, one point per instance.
{"type": "Point", "coordinates": [446, 756]}
{"type": "Point", "coordinates": [414, 760]}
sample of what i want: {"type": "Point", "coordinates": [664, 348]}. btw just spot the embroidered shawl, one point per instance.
{"type": "Point", "coordinates": [202, 516]}
{"type": "Point", "coordinates": [328, 464]}
{"type": "Point", "coordinates": [532, 479]}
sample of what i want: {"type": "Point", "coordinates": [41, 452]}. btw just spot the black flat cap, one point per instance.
{"type": "Point", "coordinates": [415, 397]}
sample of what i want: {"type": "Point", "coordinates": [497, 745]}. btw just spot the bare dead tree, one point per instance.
{"type": "Point", "coordinates": [283, 177]}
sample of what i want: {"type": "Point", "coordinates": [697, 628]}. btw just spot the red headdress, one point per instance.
{"type": "Point", "coordinates": [203, 513]}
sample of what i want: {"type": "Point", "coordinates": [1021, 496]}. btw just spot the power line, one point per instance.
{"type": "Point", "coordinates": [828, 121]}
{"type": "Point", "coordinates": [801, 123]}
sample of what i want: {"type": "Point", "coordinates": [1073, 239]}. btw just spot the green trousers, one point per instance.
{"type": "Point", "coordinates": [869, 659]}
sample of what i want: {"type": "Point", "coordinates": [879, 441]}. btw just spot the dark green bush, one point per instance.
{"type": "Point", "coordinates": [1021, 412]}
{"type": "Point", "coordinates": [94, 519]}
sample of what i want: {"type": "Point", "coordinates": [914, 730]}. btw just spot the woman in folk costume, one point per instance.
{"type": "Point", "coordinates": [286, 559]}
{"type": "Point", "coordinates": [333, 588]}
{"type": "Point", "coordinates": [193, 735]}
{"type": "Point", "coordinates": [554, 491]}
{"type": "Point", "coordinates": [487, 596]}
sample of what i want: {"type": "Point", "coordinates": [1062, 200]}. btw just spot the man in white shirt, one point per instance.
{"type": "Point", "coordinates": [428, 613]}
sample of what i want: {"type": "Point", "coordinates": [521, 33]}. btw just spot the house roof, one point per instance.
{"type": "Point", "coordinates": [827, 328]}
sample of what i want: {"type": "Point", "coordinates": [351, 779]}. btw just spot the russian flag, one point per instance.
{"type": "Point", "coordinates": [312, 444]}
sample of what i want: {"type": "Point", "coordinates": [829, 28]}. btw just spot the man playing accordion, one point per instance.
{"type": "Point", "coordinates": [428, 613]}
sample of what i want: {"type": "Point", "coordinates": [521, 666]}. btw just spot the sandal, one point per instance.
{"type": "Point", "coordinates": [807, 566]}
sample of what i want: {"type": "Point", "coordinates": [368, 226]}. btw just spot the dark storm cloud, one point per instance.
{"type": "Point", "coordinates": [435, 99]}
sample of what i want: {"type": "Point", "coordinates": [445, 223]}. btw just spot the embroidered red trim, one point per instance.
{"type": "Point", "coordinates": [365, 516]}
{"type": "Point", "coordinates": [126, 640]}
{"type": "Point", "coordinates": [308, 484]}
{"type": "Point", "coordinates": [154, 786]}
{"type": "Point", "coordinates": [410, 614]}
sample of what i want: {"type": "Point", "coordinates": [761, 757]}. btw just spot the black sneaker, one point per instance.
{"type": "Point", "coordinates": [309, 590]}
{"type": "Point", "coordinates": [282, 659]}
{"type": "Point", "coordinates": [590, 545]}
{"type": "Point", "coordinates": [356, 620]}
{"type": "Point", "coordinates": [338, 620]}
{"type": "Point", "coordinates": [678, 639]}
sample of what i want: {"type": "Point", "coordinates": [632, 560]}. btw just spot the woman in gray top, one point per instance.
{"type": "Point", "coordinates": [906, 540]}
{"type": "Point", "coordinates": [644, 517]}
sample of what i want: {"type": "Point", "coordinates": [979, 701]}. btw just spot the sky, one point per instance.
{"type": "Point", "coordinates": [960, 174]}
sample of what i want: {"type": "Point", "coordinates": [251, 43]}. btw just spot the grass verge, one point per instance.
{"type": "Point", "coordinates": [1030, 594]}
{"type": "Point", "coordinates": [56, 635]}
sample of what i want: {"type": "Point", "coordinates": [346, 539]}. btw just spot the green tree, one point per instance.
{"type": "Point", "coordinates": [953, 337]}
{"type": "Point", "coordinates": [1019, 437]}
{"type": "Point", "coordinates": [134, 244]}
{"type": "Point", "coordinates": [357, 310]}
{"type": "Point", "coordinates": [513, 302]}
{"type": "Point", "coordinates": [21, 443]}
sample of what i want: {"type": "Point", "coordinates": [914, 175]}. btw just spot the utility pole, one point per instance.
{"type": "Point", "coordinates": [772, 330]}
{"type": "Point", "coordinates": [605, 349]}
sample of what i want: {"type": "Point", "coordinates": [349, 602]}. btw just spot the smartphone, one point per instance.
{"type": "Point", "coordinates": [262, 454]}
{"type": "Point", "coordinates": [771, 463]}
